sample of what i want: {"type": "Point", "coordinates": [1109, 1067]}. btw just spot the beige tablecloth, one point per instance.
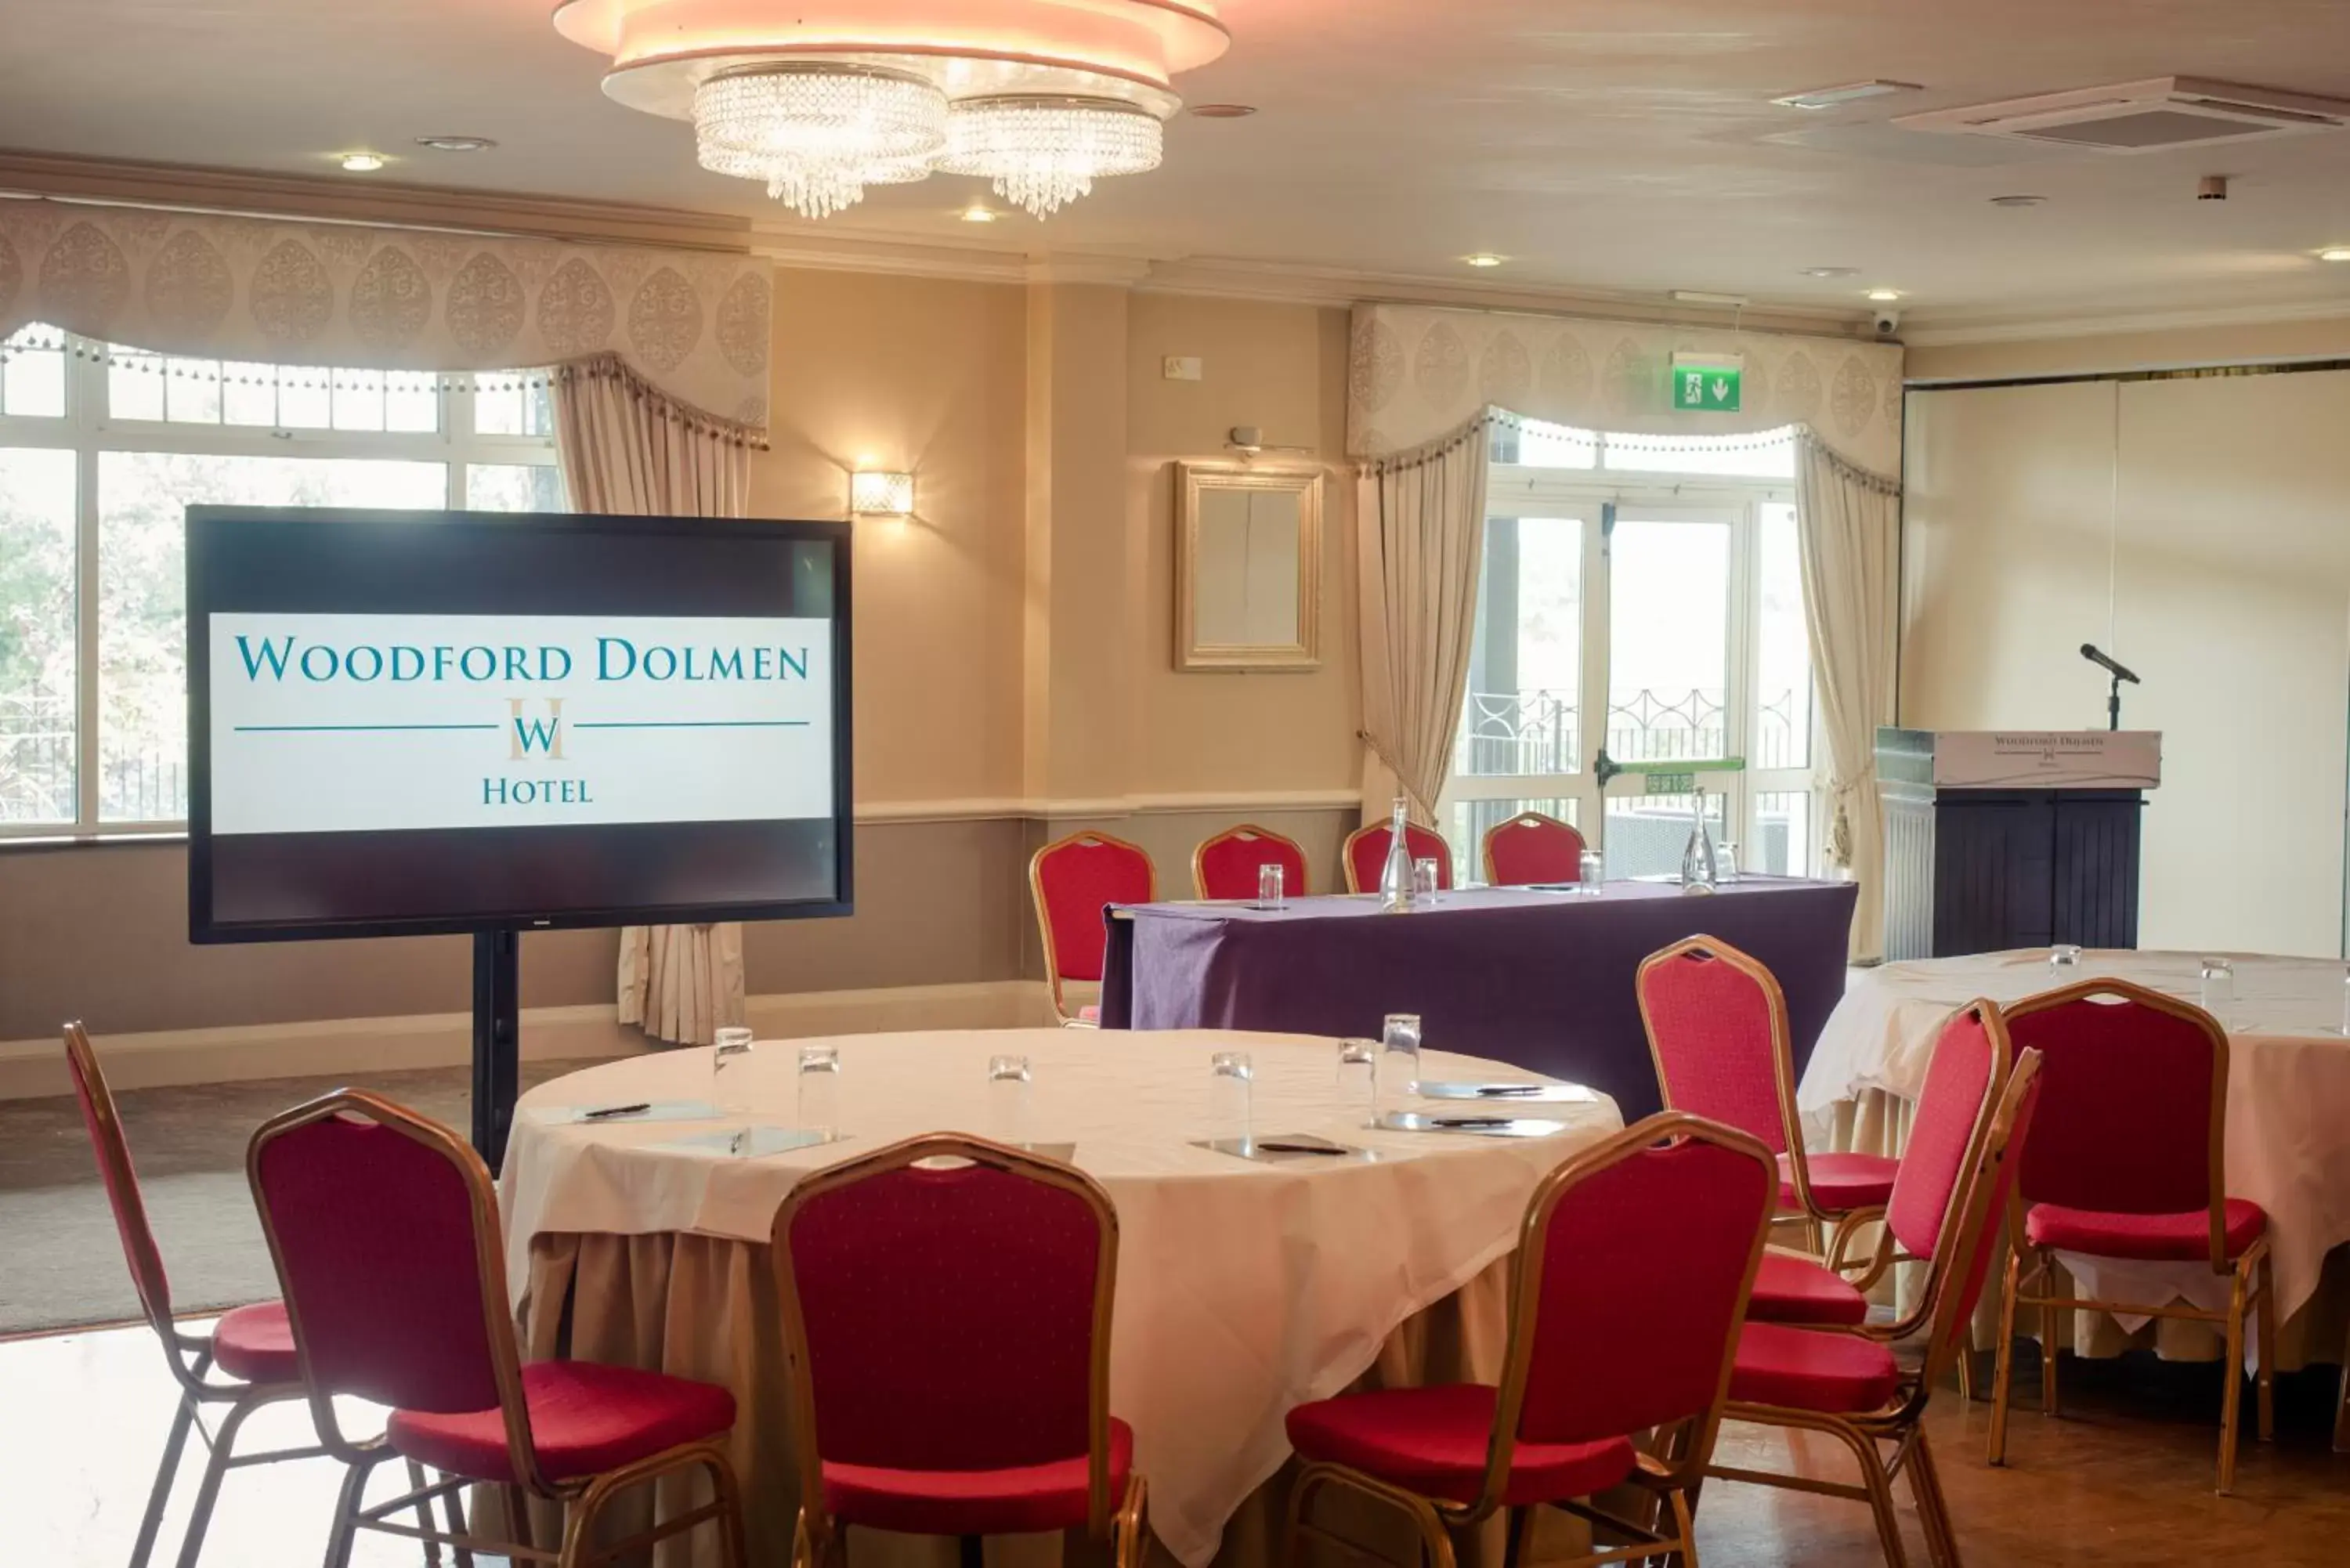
{"type": "Point", "coordinates": [1244, 1288]}
{"type": "Point", "coordinates": [2288, 1117]}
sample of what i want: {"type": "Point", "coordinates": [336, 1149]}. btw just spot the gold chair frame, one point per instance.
{"type": "Point", "coordinates": [817, 1541]}
{"type": "Point", "coordinates": [1045, 920]}
{"type": "Point", "coordinates": [1347, 853]}
{"type": "Point", "coordinates": [1829, 1231]}
{"type": "Point", "coordinates": [1245, 830]}
{"type": "Point", "coordinates": [2252, 1286]}
{"type": "Point", "coordinates": [1523, 819]}
{"type": "Point", "coordinates": [584, 1499]}
{"type": "Point", "coordinates": [1670, 1474]}
{"type": "Point", "coordinates": [1900, 1420]}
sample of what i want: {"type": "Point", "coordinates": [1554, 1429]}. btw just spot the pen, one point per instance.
{"type": "Point", "coordinates": [611, 1111]}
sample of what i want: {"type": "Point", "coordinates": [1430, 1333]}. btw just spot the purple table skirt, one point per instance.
{"type": "Point", "coordinates": [1540, 980]}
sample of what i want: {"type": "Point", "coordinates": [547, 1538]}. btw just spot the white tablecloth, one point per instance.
{"type": "Point", "coordinates": [1244, 1288]}
{"type": "Point", "coordinates": [2288, 1075]}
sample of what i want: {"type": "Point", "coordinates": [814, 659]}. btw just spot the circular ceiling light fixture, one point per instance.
{"type": "Point", "coordinates": [828, 97]}
{"type": "Point", "coordinates": [1884, 295]}
{"type": "Point", "coordinates": [456, 143]}
{"type": "Point", "coordinates": [1485, 259]}
{"type": "Point", "coordinates": [361, 162]}
{"type": "Point", "coordinates": [1831, 271]}
{"type": "Point", "coordinates": [1223, 110]}
{"type": "Point", "coordinates": [2019, 201]}
{"type": "Point", "coordinates": [2335, 253]}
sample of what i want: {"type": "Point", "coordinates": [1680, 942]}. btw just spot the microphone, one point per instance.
{"type": "Point", "coordinates": [2105, 662]}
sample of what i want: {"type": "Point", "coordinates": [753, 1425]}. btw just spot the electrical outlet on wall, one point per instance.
{"type": "Point", "coordinates": [1182, 368]}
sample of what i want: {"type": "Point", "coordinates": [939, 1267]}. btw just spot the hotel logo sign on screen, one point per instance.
{"type": "Point", "coordinates": [326, 723]}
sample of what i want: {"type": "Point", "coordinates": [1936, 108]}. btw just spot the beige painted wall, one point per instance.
{"type": "Point", "coordinates": [2220, 571]}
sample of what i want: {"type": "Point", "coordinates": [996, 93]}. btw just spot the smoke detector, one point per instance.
{"type": "Point", "coordinates": [2151, 116]}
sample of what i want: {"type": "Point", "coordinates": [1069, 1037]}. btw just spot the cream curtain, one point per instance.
{"type": "Point", "coordinates": [1849, 528]}
{"type": "Point", "coordinates": [1421, 517]}
{"type": "Point", "coordinates": [627, 448]}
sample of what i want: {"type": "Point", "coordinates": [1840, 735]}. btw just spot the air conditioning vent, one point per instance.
{"type": "Point", "coordinates": [2150, 116]}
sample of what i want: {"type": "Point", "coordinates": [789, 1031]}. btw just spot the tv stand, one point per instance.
{"type": "Point", "coordinates": [497, 1039]}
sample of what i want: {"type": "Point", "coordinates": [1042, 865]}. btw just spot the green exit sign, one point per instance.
{"type": "Point", "coordinates": [1706, 389]}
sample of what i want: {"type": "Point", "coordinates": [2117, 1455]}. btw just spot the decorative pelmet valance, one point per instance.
{"type": "Point", "coordinates": [691, 324]}
{"type": "Point", "coordinates": [1419, 373]}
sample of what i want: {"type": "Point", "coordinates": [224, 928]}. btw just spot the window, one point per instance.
{"type": "Point", "coordinates": [1639, 596]}
{"type": "Point", "coordinates": [100, 449]}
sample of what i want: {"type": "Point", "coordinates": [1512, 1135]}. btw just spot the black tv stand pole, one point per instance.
{"type": "Point", "coordinates": [497, 1039]}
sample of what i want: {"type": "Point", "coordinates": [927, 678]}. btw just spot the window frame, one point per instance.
{"type": "Point", "coordinates": [1597, 496]}
{"type": "Point", "coordinates": [89, 429]}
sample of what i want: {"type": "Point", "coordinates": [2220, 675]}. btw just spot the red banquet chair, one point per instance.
{"type": "Point", "coordinates": [1849, 1386]}
{"type": "Point", "coordinates": [1072, 880]}
{"type": "Point", "coordinates": [384, 1229]}
{"type": "Point", "coordinates": [1717, 1025]}
{"type": "Point", "coordinates": [946, 1307]}
{"type": "Point", "coordinates": [1225, 865]}
{"type": "Point", "coordinates": [1669, 1217]}
{"type": "Point", "coordinates": [1532, 847]}
{"type": "Point", "coordinates": [2130, 1165]}
{"type": "Point", "coordinates": [1366, 855]}
{"type": "Point", "coordinates": [247, 1362]}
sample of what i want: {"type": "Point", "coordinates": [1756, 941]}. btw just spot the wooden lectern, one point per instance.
{"type": "Point", "coordinates": [1999, 838]}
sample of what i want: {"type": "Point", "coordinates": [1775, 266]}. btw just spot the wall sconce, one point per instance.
{"type": "Point", "coordinates": [876, 493]}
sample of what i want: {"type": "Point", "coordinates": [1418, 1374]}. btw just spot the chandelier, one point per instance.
{"type": "Point", "coordinates": [821, 99]}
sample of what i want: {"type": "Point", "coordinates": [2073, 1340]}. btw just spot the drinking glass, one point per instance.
{"type": "Point", "coordinates": [2065, 961]}
{"type": "Point", "coordinates": [1230, 1073]}
{"type": "Point", "coordinates": [1398, 1073]}
{"type": "Point", "coordinates": [1268, 887]}
{"type": "Point", "coordinates": [1359, 1076]}
{"type": "Point", "coordinates": [2219, 998]}
{"type": "Point", "coordinates": [819, 1098]}
{"type": "Point", "coordinates": [1007, 1099]}
{"type": "Point", "coordinates": [730, 1072]}
{"type": "Point", "coordinates": [1423, 879]}
{"type": "Point", "coordinates": [1595, 874]}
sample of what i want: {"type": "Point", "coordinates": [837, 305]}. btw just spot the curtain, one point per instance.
{"type": "Point", "coordinates": [1420, 520]}
{"type": "Point", "coordinates": [626, 447]}
{"type": "Point", "coordinates": [1848, 522]}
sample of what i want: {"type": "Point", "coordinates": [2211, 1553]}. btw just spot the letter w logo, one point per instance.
{"type": "Point", "coordinates": [543, 736]}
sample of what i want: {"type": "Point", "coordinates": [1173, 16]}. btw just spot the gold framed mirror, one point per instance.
{"type": "Point", "coordinates": [1248, 566]}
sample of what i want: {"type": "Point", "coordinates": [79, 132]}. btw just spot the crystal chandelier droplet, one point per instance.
{"type": "Point", "coordinates": [1042, 153]}
{"type": "Point", "coordinates": [818, 134]}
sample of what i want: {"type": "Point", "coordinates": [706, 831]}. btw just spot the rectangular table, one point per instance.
{"type": "Point", "coordinates": [1540, 980]}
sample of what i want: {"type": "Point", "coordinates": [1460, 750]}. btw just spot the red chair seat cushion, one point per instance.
{"type": "Point", "coordinates": [1024, 1497]}
{"type": "Point", "coordinates": [2182, 1238]}
{"type": "Point", "coordinates": [1813, 1369]}
{"type": "Point", "coordinates": [1841, 1182]}
{"type": "Point", "coordinates": [585, 1419]}
{"type": "Point", "coordinates": [1789, 1289]}
{"type": "Point", "coordinates": [1434, 1441]}
{"type": "Point", "coordinates": [256, 1343]}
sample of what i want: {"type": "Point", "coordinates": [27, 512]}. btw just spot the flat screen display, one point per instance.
{"type": "Point", "coordinates": [404, 722]}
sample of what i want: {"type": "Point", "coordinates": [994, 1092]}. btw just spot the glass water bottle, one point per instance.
{"type": "Point", "coordinates": [1395, 877]}
{"type": "Point", "coordinates": [1699, 867]}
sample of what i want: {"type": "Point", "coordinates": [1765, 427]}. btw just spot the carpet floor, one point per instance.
{"type": "Point", "coordinates": [63, 1262]}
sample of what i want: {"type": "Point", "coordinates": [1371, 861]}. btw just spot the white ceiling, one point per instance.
{"type": "Point", "coordinates": [1615, 145]}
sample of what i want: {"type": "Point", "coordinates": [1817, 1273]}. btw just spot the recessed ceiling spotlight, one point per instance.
{"type": "Point", "coordinates": [2335, 253]}
{"type": "Point", "coordinates": [1223, 110]}
{"type": "Point", "coordinates": [362, 162]}
{"type": "Point", "coordinates": [1485, 258]}
{"type": "Point", "coordinates": [977, 213]}
{"type": "Point", "coordinates": [1831, 271]}
{"type": "Point", "coordinates": [1885, 296]}
{"type": "Point", "coordinates": [456, 143]}
{"type": "Point", "coordinates": [2017, 201]}
{"type": "Point", "coordinates": [1830, 96]}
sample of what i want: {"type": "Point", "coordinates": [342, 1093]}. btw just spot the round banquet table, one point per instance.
{"type": "Point", "coordinates": [1244, 1287]}
{"type": "Point", "coordinates": [2288, 1126]}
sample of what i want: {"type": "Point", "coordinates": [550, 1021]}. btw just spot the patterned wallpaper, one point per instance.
{"type": "Point", "coordinates": [1420, 372]}
{"type": "Point", "coordinates": [693, 323]}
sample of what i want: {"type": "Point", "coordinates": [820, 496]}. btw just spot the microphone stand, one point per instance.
{"type": "Point", "coordinates": [2114, 704]}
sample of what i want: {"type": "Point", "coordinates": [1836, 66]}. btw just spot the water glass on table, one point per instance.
{"type": "Point", "coordinates": [1726, 871]}
{"type": "Point", "coordinates": [730, 1072]}
{"type": "Point", "coordinates": [1269, 877]}
{"type": "Point", "coordinates": [820, 1092]}
{"type": "Point", "coordinates": [1398, 1070]}
{"type": "Point", "coordinates": [2064, 962]}
{"type": "Point", "coordinates": [2217, 996]}
{"type": "Point", "coordinates": [1593, 874]}
{"type": "Point", "coordinates": [1424, 880]}
{"type": "Point", "coordinates": [1358, 1079]}
{"type": "Point", "coordinates": [1007, 1100]}
{"type": "Point", "coordinates": [1231, 1075]}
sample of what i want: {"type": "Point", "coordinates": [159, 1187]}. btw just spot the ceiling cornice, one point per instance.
{"type": "Point", "coordinates": [346, 201]}
{"type": "Point", "coordinates": [2022, 329]}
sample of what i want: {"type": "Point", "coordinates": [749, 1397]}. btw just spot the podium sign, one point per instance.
{"type": "Point", "coordinates": [2048, 759]}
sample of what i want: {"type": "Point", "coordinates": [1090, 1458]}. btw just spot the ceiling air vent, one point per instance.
{"type": "Point", "coordinates": [2150, 116]}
